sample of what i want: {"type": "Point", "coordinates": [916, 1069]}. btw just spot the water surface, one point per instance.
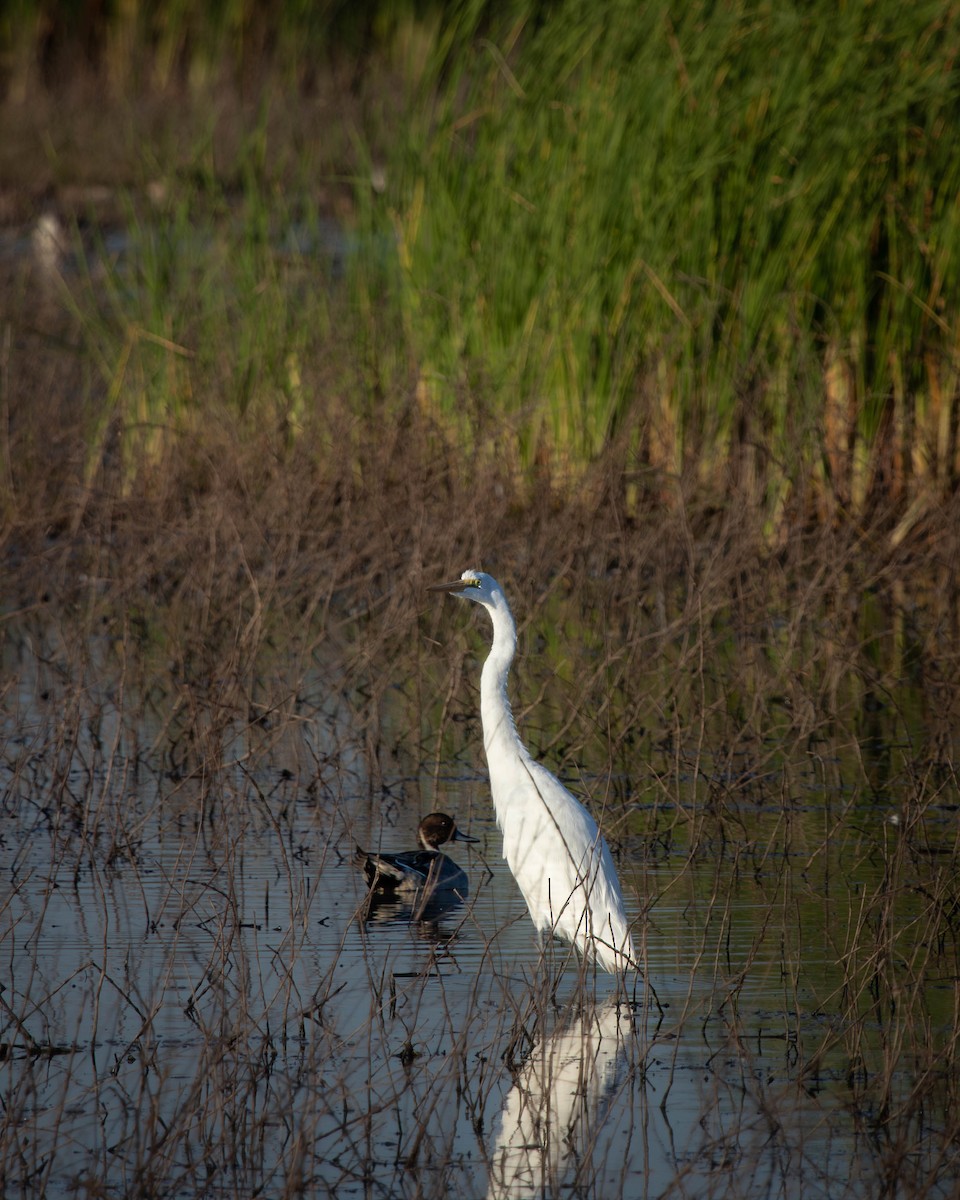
{"type": "Point", "coordinates": [197, 999]}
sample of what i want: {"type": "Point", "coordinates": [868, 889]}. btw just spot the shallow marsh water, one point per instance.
{"type": "Point", "coordinates": [196, 1000]}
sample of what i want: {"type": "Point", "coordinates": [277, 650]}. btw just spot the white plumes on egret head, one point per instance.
{"type": "Point", "coordinates": [552, 845]}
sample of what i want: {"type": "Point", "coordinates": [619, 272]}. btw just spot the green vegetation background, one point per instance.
{"type": "Point", "coordinates": [720, 237]}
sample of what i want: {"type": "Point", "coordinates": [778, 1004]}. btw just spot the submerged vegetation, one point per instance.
{"type": "Point", "coordinates": [650, 310]}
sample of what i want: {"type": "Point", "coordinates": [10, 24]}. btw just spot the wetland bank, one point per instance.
{"type": "Point", "coordinates": [253, 404]}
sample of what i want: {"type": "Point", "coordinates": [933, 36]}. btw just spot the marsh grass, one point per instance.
{"type": "Point", "coordinates": [723, 233]}
{"type": "Point", "coordinates": [717, 246]}
{"type": "Point", "coordinates": [713, 258]}
{"type": "Point", "coordinates": [193, 743]}
{"type": "Point", "coordinates": [229, 472]}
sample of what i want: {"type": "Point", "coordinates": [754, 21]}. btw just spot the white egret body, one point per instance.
{"type": "Point", "coordinates": [551, 843]}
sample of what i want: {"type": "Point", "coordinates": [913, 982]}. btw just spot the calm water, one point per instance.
{"type": "Point", "coordinates": [212, 1010]}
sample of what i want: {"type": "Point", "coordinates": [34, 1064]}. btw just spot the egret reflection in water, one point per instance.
{"type": "Point", "coordinates": [559, 1098]}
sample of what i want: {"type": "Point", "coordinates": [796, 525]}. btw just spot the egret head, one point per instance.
{"type": "Point", "coordinates": [473, 585]}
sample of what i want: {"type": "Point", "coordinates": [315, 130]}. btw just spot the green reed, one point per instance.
{"type": "Point", "coordinates": [728, 225]}
{"type": "Point", "coordinates": [211, 304]}
{"type": "Point", "coordinates": [719, 236]}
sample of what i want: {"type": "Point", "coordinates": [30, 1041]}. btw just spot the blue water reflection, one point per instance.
{"type": "Point", "coordinates": [198, 1000]}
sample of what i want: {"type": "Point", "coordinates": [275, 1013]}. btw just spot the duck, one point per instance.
{"type": "Point", "coordinates": [426, 869]}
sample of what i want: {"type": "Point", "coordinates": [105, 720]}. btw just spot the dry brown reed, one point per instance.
{"type": "Point", "coordinates": [234, 660]}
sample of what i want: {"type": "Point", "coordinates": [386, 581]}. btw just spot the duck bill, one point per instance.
{"type": "Point", "coordinates": [463, 837]}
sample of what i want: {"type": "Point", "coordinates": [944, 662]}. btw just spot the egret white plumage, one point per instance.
{"type": "Point", "coordinates": [552, 845]}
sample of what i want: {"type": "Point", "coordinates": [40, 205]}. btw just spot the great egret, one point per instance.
{"type": "Point", "coordinates": [551, 843]}
{"type": "Point", "coordinates": [416, 870]}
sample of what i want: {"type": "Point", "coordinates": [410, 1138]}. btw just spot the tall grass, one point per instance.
{"type": "Point", "coordinates": [727, 229]}
{"type": "Point", "coordinates": [719, 236]}
{"type": "Point", "coordinates": [212, 304]}
{"type": "Point", "coordinates": [142, 44]}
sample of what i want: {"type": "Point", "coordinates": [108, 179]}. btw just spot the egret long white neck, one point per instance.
{"type": "Point", "coordinates": [495, 711]}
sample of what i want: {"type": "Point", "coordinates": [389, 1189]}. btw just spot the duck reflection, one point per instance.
{"type": "Point", "coordinates": [559, 1096]}
{"type": "Point", "coordinates": [427, 913]}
